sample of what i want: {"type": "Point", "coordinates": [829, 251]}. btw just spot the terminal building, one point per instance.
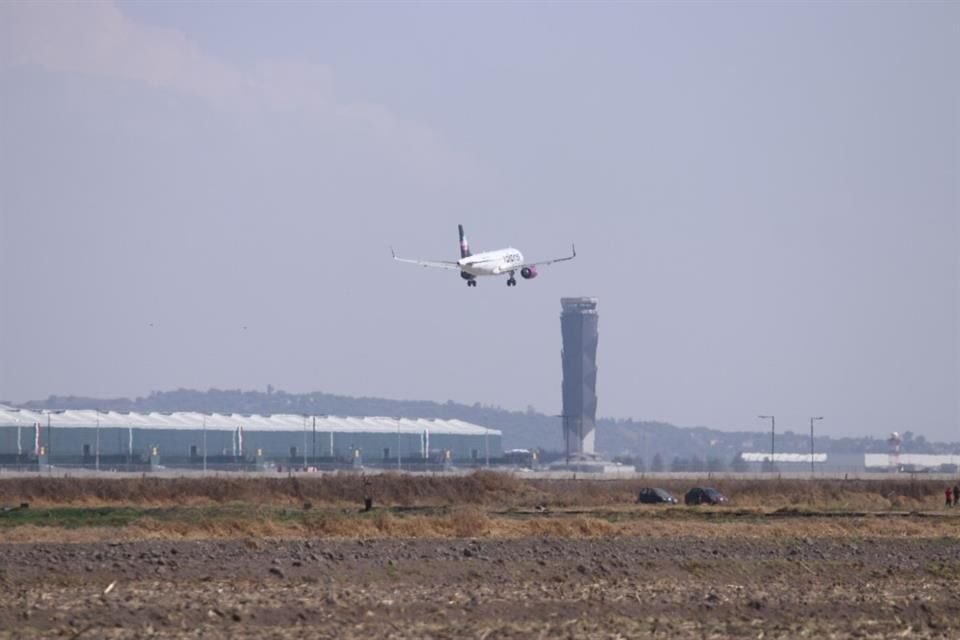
{"type": "Point", "coordinates": [851, 462]}
{"type": "Point", "coordinates": [123, 439]}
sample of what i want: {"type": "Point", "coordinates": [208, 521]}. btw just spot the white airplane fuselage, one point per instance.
{"type": "Point", "coordinates": [492, 263]}
{"type": "Point", "coordinates": [507, 262]}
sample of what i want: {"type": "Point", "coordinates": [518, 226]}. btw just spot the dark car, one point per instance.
{"type": "Point", "coordinates": [704, 495]}
{"type": "Point", "coordinates": [653, 495]}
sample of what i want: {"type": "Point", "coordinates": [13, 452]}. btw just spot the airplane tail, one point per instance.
{"type": "Point", "coordinates": [464, 245]}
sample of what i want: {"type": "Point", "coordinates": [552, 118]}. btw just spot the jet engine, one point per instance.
{"type": "Point", "coordinates": [528, 273]}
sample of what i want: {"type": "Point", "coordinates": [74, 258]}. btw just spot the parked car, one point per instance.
{"type": "Point", "coordinates": [653, 495]}
{"type": "Point", "coordinates": [704, 495]}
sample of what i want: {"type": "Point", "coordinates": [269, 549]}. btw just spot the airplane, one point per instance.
{"type": "Point", "coordinates": [489, 263]}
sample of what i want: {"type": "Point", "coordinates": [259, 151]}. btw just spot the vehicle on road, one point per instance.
{"type": "Point", "coordinates": [655, 495]}
{"type": "Point", "coordinates": [704, 495]}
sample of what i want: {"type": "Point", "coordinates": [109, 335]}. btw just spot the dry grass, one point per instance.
{"type": "Point", "coordinates": [472, 522]}
{"type": "Point", "coordinates": [482, 504]}
{"type": "Point", "coordinates": [883, 494]}
{"type": "Point", "coordinates": [482, 489]}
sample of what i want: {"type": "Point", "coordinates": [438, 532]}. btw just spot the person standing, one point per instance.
{"type": "Point", "coordinates": [947, 493]}
{"type": "Point", "coordinates": [956, 493]}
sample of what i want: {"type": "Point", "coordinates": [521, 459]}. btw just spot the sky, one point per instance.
{"type": "Point", "coordinates": [763, 196]}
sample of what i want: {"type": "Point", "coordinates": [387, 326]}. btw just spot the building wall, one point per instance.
{"type": "Point", "coordinates": [62, 443]}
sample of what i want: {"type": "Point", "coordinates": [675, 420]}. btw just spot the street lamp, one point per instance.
{"type": "Point", "coordinates": [204, 443]}
{"type": "Point", "coordinates": [566, 436]}
{"type": "Point", "coordinates": [97, 456]}
{"type": "Point", "coordinates": [397, 418]}
{"type": "Point", "coordinates": [773, 431]}
{"type": "Point", "coordinates": [305, 441]}
{"type": "Point", "coordinates": [48, 447]}
{"type": "Point", "coordinates": [19, 444]}
{"type": "Point", "coordinates": [486, 445]}
{"type": "Point", "coordinates": [811, 441]}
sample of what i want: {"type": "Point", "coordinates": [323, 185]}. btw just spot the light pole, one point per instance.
{"type": "Point", "coordinates": [811, 441]}
{"type": "Point", "coordinates": [643, 449]}
{"type": "Point", "coordinates": [204, 444]}
{"type": "Point", "coordinates": [97, 457]}
{"type": "Point", "coordinates": [773, 431]}
{"type": "Point", "coordinates": [48, 447]}
{"type": "Point", "coordinates": [305, 442]}
{"type": "Point", "coordinates": [398, 443]}
{"type": "Point", "coordinates": [486, 445]}
{"type": "Point", "coordinates": [566, 437]}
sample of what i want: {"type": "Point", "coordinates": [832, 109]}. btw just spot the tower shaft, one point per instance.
{"type": "Point", "coordinates": [578, 326]}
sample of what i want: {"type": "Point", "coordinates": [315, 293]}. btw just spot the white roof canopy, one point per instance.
{"type": "Point", "coordinates": [85, 418]}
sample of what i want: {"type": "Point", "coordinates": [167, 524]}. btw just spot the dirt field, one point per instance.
{"type": "Point", "coordinates": [499, 566]}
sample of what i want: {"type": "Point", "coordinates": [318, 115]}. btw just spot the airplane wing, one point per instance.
{"type": "Point", "coordinates": [543, 263]}
{"type": "Point", "coordinates": [439, 264]}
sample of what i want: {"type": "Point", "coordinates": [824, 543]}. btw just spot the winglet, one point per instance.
{"type": "Point", "coordinates": [574, 247]}
{"type": "Point", "coordinates": [393, 253]}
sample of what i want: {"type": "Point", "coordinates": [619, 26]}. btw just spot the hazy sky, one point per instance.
{"type": "Point", "coordinates": [764, 198]}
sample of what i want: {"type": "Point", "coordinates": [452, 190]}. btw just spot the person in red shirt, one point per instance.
{"type": "Point", "coordinates": [947, 493]}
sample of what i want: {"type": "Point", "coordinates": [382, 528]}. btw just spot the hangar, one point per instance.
{"type": "Point", "coordinates": [88, 437]}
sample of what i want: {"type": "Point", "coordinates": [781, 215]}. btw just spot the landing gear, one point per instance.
{"type": "Point", "coordinates": [511, 282]}
{"type": "Point", "coordinates": [471, 283]}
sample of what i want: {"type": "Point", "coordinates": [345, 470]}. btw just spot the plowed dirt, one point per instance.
{"type": "Point", "coordinates": [693, 584]}
{"type": "Point", "coordinates": [482, 557]}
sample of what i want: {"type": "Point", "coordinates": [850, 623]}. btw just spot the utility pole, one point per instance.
{"type": "Point", "coordinates": [773, 431]}
{"type": "Point", "coordinates": [204, 444]}
{"type": "Point", "coordinates": [304, 442]}
{"type": "Point", "coordinates": [811, 441]}
{"type": "Point", "coordinates": [486, 445]}
{"type": "Point", "coordinates": [97, 458]}
{"type": "Point", "coordinates": [398, 443]}
{"type": "Point", "coordinates": [566, 436]}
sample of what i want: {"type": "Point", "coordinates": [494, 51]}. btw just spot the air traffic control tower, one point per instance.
{"type": "Point", "coordinates": [578, 325]}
